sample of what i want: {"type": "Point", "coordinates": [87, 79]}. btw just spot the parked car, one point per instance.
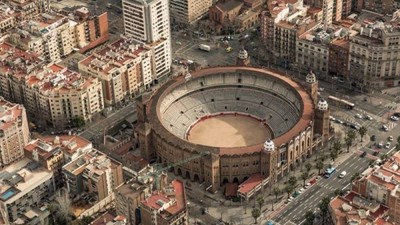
{"type": "Point", "coordinates": [385, 128]}
{"type": "Point", "coordinates": [387, 146]}
{"type": "Point", "coordinates": [396, 114]}
{"type": "Point", "coordinates": [363, 154]}
{"type": "Point", "coordinates": [368, 117]}
{"type": "Point", "coordinates": [390, 138]}
{"type": "Point", "coordinates": [373, 138]}
{"type": "Point", "coordinates": [358, 116]}
{"type": "Point", "coordinates": [380, 145]}
{"type": "Point", "coordinates": [375, 153]}
{"type": "Point", "coordinates": [339, 121]}
{"type": "Point", "coordinates": [394, 118]}
{"type": "Point", "coordinates": [354, 126]}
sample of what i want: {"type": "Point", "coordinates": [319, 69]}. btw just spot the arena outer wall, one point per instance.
{"type": "Point", "coordinates": [225, 164]}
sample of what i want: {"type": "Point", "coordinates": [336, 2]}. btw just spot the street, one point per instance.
{"type": "Point", "coordinates": [309, 200]}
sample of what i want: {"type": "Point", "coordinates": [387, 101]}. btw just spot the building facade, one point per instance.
{"type": "Point", "coordinates": [28, 9]}
{"type": "Point", "coordinates": [381, 184]}
{"type": "Point", "coordinates": [187, 12]}
{"type": "Point", "coordinates": [54, 35]}
{"type": "Point", "coordinates": [93, 173]}
{"type": "Point", "coordinates": [148, 22]}
{"type": "Point", "coordinates": [25, 188]}
{"type": "Point", "coordinates": [50, 93]}
{"type": "Point", "coordinates": [374, 58]}
{"type": "Point", "coordinates": [14, 132]}
{"type": "Point", "coordinates": [125, 68]}
{"type": "Point", "coordinates": [339, 57]}
{"type": "Point", "coordinates": [381, 6]}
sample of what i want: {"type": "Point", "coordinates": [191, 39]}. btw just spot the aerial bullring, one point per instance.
{"type": "Point", "coordinates": [229, 112]}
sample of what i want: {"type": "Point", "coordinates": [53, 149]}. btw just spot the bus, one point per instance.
{"type": "Point", "coordinates": [329, 172]}
{"type": "Point", "coordinates": [341, 102]}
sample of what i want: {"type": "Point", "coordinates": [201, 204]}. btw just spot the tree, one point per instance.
{"type": "Point", "coordinates": [355, 176]}
{"type": "Point", "coordinates": [308, 167]}
{"type": "Point", "coordinates": [292, 181]}
{"type": "Point", "coordinates": [333, 155]}
{"type": "Point", "coordinates": [384, 157]}
{"type": "Point", "coordinates": [337, 145]}
{"type": "Point", "coordinates": [362, 131]}
{"type": "Point", "coordinates": [319, 165]}
{"type": "Point", "coordinates": [260, 201]}
{"type": "Point", "coordinates": [338, 192]}
{"type": "Point", "coordinates": [310, 217]}
{"type": "Point", "coordinates": [255, 213]}
{"type": "Point", "coordinates": [289, 188]}
{"type": "Point", "coordinates": [350, 136]}
{"type": "Point", "coordinates": [304, 176]}
{"type": "Point", "coordinates": [78, 122]}
{"type": "Point", "coordinates": [276, 192]}
{"type": "Point", "coordinates": [324, 207]}
{"type": "Point", "coordinates": [398, 143]}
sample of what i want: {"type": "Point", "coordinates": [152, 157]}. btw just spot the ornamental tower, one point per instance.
{"type": "Point", "coordinates": [321, 124]}
{"type": "Point", "coordinates": [312, 86]}
{"type": "Point", "coordinates": [269, 161]}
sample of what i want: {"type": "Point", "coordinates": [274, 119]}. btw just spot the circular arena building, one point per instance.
{"type": "Point", "coordinates": [226, 124]}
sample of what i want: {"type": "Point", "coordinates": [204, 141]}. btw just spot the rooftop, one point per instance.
{"type": "Point", "coordinates": [319, 35]}
{"type": "Point", "coordinates": [346, 212]}
{"type": "Point", "coordinates": [20, 178]}
{"type": "Point", "coordinates": [168, 202]}
{"type": "Point", "coordinates": [68, 143]}
{"type": "Point", "coordinates": [229, 5]}
{"type": "Point", "coordinates": [19, 63]}
{"type": "Point", "coordinates": [251, 183]}
{"type": "Point", "coordinates": [94, 162]}
{"type": "Point", "coordinates": [109, 218]}
{"type": "Point", "coordinates": [10, 114]}
{"type": "Point", "coordinates": [115, 55]}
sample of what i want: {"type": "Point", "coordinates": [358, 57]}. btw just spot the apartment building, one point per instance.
{"type": "Point", "coordinates": [128, 196]}
{"type": "Point", "coordinates": [27, 9]}
{"type": "Point", "coordinates": [313, 51]}
{"type": "Point", "coordinates": [50, 93]}
{"type": "Point", "coordinates": [374, 51]}
{"type": "Point", "coordinates": [48, 34]}
{"type": "Point", "coordinates": [354, 209]}
{"type": "Point", "coordinates": [281, 25]}
{"type": "Point", "coordinates": [93, 173]}
{"type": "Point", "coordinates": [52, 152]}
{"type": "Point", "coordinates": [166, 207]}
{"type": "Point", "coordinates": [124, 67]}
{"type": "Point", "coordinates": [381, 184]}
{"type": "Point", "coordinates": [339, 57]}
{"type": "Point", "coordinates": [187, 12]}
{"type": "Point", "coordinates": [53, 35]}
{"type": "Point", "coordinates": [331, 9]}
{"type": "Point", "coordinates": [90, 30]}
{"type": "Point", "coordinates": [381, 6]}
{"type": "Point", "coordinates": [25, 187]}
{"type": "Point", "coordinates": [14, 132]}
{"type": "Point", "coordinates": [148, 22]}
{"type": "Point", "coordinates": [346, 8]}
{"type": "Point", "coordinates": [7, 18]}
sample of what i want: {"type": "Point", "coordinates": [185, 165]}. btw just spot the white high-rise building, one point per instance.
{"type": "Point", "coordinates": [148, 21]}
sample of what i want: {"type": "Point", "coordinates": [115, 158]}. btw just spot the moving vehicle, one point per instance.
{"type": "Point", "coordinates": [394, 118]}
{"type": "Point", "coordinates": [329, 172]}
{"type": "Point", "coordinates": [229, 49]}
{"type": "Point", "coordinates": [204, 47]}
{"type": "Point", "coordinates": [341, 102]}
{"type": "Point", "coordinates": [358, 116]}
{"type": "Point", "coordinates": [396, 114]}
{"type": "Point", "coordinates": [342, 174]}
{"type": "Point", "coordinates": [354, 126]}
{"type": "Point", "coordinates": [363, 154]}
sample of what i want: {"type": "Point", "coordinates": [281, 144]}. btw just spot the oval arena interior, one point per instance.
{"type": "Point", "coordinates": [212, 125]}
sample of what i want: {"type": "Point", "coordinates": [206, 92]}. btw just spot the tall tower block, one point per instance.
{"type": "Point", "coordinates": [312, 86]}
{"type": "Point", "coordinates": [321, 124]}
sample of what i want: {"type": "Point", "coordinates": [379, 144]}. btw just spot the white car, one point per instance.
{"type": "Point", "coordinates": [358, 116]}
{"type": "Point", "coordinates": [394, 118]}
{"type": "Point", "coordinates": [390, 138]}
{"type": "Point", "coordinates": [368, 117]}
{"type": "Point", "coordinates": [385, 128]}
{"type": "Point", "coordinates": [307, 185]}
{"type": "Point", "coordinates": [301, 190]}
{"type": "Point", "coordinates": [387, 146]}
